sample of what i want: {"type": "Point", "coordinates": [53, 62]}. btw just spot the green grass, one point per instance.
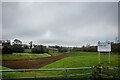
{"type": "Point", "coordinates": [82, 59]}
{"type": "Point", "coordinates": [28, 50]}
{"type": "Point", "coordinates": [76, 60]}
{"type": "Point", "coordinates": [85, 59]}
{"type": "Point", "coordinates": [16, 56]}
{"type": "Point", "coordinates": [53, 51]}
{"type": "Point", "coordinates": [9, 74]}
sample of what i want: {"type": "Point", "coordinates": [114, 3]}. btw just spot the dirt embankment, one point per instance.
{"type": "Point", "coordinates": [35, 63]}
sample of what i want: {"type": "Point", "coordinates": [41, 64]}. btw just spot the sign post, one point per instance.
{"type": "Point", "coordinates": [99, 57]}
{"type": "Point", "coordinates": [109, 57]}
{"type": "Point", "coordinates": [104, 47]}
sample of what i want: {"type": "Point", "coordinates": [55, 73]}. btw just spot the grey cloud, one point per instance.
{"type": "Point", "coordinates": [62, 23]}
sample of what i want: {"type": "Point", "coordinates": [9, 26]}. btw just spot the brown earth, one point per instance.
{"type": "Point", "coordinates": [35, 63]}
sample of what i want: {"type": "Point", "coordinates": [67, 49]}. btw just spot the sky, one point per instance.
{"type": "Point", "coordinates": [60, 23]}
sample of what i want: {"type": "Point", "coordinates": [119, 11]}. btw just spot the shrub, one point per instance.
{"type": "Point", "coordinates": [17, 48]}
{"type": "Point", "coordinates": [6, 50]}
{"type": "Point", "coordinates": [40, 49]}
{"type": "Point", "coordinates": [63, 49]}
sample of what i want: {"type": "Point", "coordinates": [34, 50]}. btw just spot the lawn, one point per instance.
{"type": "Point", "coordinates": [76, 60]}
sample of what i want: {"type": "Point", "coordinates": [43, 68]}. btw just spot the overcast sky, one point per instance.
{"type": "Point", "coordinates": [60, 23]}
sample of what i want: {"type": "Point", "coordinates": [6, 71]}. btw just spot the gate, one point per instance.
{"type": "Point", "coordinates": [66, 69]}
{"type": "Point", "coordinates": [95, 72]}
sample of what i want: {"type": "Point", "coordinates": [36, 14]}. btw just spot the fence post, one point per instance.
{"type": "Point", "coordinates": [66, 73]}
{"type": "Point", "coordinates": [99, 72]}
{"type": "Point", "coordinates": [94, 72]}
{"type": "Point", "coordinates": [35, 74]}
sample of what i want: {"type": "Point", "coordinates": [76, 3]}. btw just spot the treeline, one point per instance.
{"type": "Point", "coordinates": [115, 47]}
{"type": "Point", "coordinates": [7, 48]}
{"type": "Point", "coordinates": [60, 48]}
{"type": "Point", "coordinates": [85, 49]}
{"type": "Point", "coordinates": [18, 47]}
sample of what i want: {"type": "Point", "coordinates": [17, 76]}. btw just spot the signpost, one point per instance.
{"type": "Point", "coordinates": [104, 47]}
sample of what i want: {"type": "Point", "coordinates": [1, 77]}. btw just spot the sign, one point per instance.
{"type": "Point", "coordinates": [104, 46]}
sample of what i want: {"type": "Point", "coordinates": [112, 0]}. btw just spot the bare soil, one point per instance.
{"type": "Point", "coordinates": [35, 63]}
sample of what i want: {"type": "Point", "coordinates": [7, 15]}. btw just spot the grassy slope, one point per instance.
{"type": "Point", "coordinates": [78, 59]}
{"type": "Point", "coordinates": [84, 59]}
{"type": "Point", "coordinates": [16, 56]}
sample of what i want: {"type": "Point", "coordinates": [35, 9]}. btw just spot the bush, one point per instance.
{"type": "Point", "coordinates": [115, 47]}
{"type": "Point", "coordinates": [85, 49]}
{"type": "Point", "coordinates": [63, 49]}
{"type": "Point", "coordinates": [17, 48]}
{"type": "Point", "coordinates": [6, 50]}
{"type": "Point", "coordinates": [40, 49]}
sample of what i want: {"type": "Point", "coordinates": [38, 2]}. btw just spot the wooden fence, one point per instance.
{"type": "Point", "coordinates": [99, 73]}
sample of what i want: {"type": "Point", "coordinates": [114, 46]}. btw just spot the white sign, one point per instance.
{"type": "Point", "coordinates": [104, 46]}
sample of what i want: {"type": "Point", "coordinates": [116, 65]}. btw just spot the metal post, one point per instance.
{"type": "Point", "coordinates": [109, 57]}
{"type": "Point", "coordinates": [66, 74]}
{"type": "Point", "coordinates": [35, 74]}
{"type": "Point", "coordinates": [99, 57]}
{"type": "Point", "coordinates": [93, 72]}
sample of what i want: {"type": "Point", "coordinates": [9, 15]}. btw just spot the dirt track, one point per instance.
{"type": "Point", "coordinates": [31, 63]}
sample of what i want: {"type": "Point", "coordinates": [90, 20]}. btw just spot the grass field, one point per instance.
{"type": "Point", "coordinates": [17, 56]}
{"type": "Point", "coordinates": [76, 60]}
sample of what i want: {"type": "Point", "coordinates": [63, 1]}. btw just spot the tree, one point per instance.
{"type": "Point", "coordinates": [6, 47]}
{"type": "Point", "coordinates": [30, 44]}
{"type": "Point", "coordinates": [115, 47]}
{"type": "Point", "coordinates": [6, 43]}
{"type": "Point", "coordinates": [25, 46]}
{"type": "Point", "coordinates": [40, 49]}
{"type": "Point", "coordinates": [63, 49]}
{"type": "Point", "coordinates": [18, 42]}
{"type": "Point", "coordinates": [17, 48]}
{"type": "Point", "coordinates": [6, 50]}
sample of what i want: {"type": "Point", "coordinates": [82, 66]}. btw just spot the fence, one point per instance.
{"type": "Point", "coordinates": [66, 69]}
{"type": "Point", "coordinates": [99, 73]}
{"type": "Point", "coordinates": [92, 73]}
